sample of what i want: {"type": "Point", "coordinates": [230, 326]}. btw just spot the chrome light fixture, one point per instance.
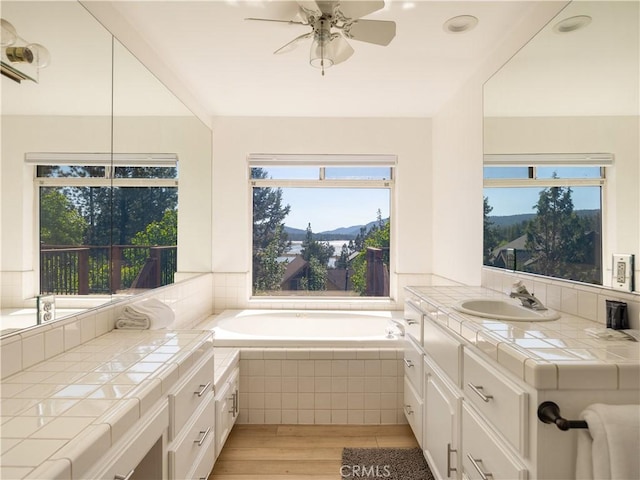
{"type": "Point", "coordinates": [21, 60]}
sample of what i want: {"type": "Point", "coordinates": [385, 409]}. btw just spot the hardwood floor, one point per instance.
{"type": "Point", "coordinates": [311, 452]}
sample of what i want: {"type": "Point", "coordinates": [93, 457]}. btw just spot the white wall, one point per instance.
{"type": "Point", "coordinates": [457, 161]}
{"type": "Point", "coordinates": [236, 137]}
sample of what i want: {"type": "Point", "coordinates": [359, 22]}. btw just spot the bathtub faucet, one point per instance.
{"type": "Point", "coordinates": [398, 324]}
{"type": "Point", "coordinates": [527, 299]}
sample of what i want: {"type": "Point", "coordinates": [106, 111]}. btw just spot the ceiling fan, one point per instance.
{"type": "Point", "coordinates": [332, 23]}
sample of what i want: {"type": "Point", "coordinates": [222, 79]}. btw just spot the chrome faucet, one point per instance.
{"type": "Point", "coordinates": [527, 299]}
{"type": "Point", "coordinates": [399, 324]}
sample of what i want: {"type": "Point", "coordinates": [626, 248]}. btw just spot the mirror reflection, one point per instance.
{"type": "Point", "coordinates": [561, 144]}
{"type": "Point", "coordinates": [90, 155]}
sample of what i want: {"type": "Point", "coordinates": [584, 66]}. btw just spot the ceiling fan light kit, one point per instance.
{"type": "Point", "coordinates": [330, 47]}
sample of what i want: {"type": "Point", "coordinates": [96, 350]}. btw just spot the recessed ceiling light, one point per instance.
{"type": "Point", "coordinates": [572, 24]}
{"type": "Point", "coordinates": [459, 24]}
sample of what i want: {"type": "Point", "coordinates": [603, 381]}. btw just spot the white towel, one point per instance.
{"type": "Point", "coordinates": [147, 314]}
{"type": "Point", "coordinates": [608, 449]}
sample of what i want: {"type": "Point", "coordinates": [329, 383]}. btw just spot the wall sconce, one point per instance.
{"type": "Point", "coordinates": [21, 60]}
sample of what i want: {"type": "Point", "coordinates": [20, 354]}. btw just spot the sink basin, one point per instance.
{"type": "Point", "coordinates": [510, 310]}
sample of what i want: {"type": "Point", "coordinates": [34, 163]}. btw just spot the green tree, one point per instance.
{"type": "Point", "coordinates": [490, 237]}
{"type": "Point", "coordinates": [60, 222]}
{"type": "Point", "coordinates": [270, 241]}
{"type": "Point", "coordinates": [162, 232]}
{"type": "Point", "coordinates": [317, 254]}
{"type": "Point", "coordinates": [378, 237]}
{"type": "Point", "coordinates": [556, 236]}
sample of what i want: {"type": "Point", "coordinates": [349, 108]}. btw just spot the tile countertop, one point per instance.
{"type": "Point", "coordinates": [557, 354]}
{"type": "Point", "coordinates": [98, 388]}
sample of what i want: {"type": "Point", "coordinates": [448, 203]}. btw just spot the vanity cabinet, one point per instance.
{"type": "Point", "coordinates": [227, 406]}
{"type": "Point", "coordinates": [191, 453]}
{"type": "Point", "coordinates": [441, 431]}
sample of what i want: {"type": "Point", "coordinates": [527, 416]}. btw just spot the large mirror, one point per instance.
{"type": "Point", "coordinates": [561, 145]}
{"type": "Point", "coordinates": [92, 147]}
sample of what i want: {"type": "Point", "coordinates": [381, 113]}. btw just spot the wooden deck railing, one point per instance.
{"type": "Point", "coordinates": [85, 270]}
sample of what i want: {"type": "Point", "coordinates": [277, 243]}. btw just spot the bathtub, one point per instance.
{"type": "Point", "coordinates": [306, 328]}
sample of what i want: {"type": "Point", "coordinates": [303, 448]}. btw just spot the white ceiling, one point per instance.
{"type": "Point", "coordinates": [228, 63]}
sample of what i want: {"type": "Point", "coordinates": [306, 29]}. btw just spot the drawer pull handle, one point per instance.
{"type": "Point", "coordinates": [233, 404]}
{"type": "Point", "coordinates": [449, 467]}
{"type": "Point", "coordinates": [203, 435]}
{"type": "Point", "coordinates": [124, 477]}
{"type": "Point", "coordinates": [475, 462]}
{"type": "Point", "coordinates": [408, 410]}
{"type": "Point", "coordinates": [478, 391]}
{"type": "Point", "coordinates": [237, 404]}
{"type": "Point", "coordinates": [408, 363]}
{"type": "Point", "coordinates": [203, 389]}
{"type": "Point", "coordinates": [412, 322]}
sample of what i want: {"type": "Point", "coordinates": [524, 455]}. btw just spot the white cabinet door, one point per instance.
{"type": "Point", "coordinates": [441, 431]}
{"type": "Point", "coordinates": [227, 408]}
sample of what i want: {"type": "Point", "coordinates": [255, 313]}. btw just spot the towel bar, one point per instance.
{"type": "Point", "coordinates": [549, 412]}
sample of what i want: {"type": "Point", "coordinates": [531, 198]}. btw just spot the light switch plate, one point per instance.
{"type": "Point", "coordinates": [622, 272]}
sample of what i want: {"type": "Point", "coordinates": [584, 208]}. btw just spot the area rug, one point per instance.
{"type": "Point", "coordinates": [384, 463]}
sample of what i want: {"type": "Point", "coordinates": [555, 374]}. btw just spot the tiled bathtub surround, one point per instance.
{"type": "Point", "coordinates": [321, 386]}
{"type": "Point", "coordinates": [190, 300]}
{"type": "Point", "coordinates": [577, 299]}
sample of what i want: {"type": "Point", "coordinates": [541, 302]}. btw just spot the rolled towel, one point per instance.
{"type": "Point", "coordinates": [147, 314]}
{"type": "Point", "coordinates": [609, 448]}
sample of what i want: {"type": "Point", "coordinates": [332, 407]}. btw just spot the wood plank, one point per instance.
{"type": "Point", "coordinates": [225, 476]}
{"type": "Point", "coordinates": [271, 453]}
{"type": "Point", "coordinates": [275, 467]}
{"type": "Point", "coordinates": [293, 442]}
{"type": "Point", "coordinates": [396, 441]}
{"type": "Point", "coordinates": [343, 430]}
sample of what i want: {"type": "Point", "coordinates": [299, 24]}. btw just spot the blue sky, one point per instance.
{"type": "Point", "coordinates": [513, 201]}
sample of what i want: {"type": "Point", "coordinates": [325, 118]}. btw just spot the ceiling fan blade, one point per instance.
{"type": "Point", "coordinates": [380, 32]}
{"type": "Point", "coordinates": [292, 22]}
{"type": "Point", "coordinates": [288, 47]}
{"type": "Point", "coordinates": [341, 49]}
{"type": "Point", "coordinates": [357, 9]}
{"type": "Point", "coordinates": [309, 7]}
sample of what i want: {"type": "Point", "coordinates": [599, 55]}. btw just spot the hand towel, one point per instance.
{"type": "Point", "coordinates": [147, 314]}
{"type": "Point", "coordinates": [608, 449]}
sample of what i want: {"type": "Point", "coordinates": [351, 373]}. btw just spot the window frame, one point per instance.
{"type": "Point", "coordinates": [109, 162]}
{"type": "Point", "coordinates": [602, 161]}
{"type": "Point", "coordinates": [321, 162]}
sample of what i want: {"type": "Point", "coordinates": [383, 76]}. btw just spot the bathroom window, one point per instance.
{"type": "Point", "coordinates": [106, 228]}
{"type": "Point", "coordinates": [321, 225]}
{"type": "Point", "coordinates": [545, 219]}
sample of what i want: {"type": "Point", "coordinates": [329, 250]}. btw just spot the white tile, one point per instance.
{"type": "Point", "coordinates": [372, 417]}
{"type": "Point", "coordinates": [306, 401]}
{"type": "Point", "coordinates": [290, 417]}
{"type": "Point", "coordinates": [339, 417]}
{"type": "Point", "coordinates": [272, 368]}
{"type": "Point", "coordinates": [306, 384]}
{"type": "Point", "coordinates": [52, 470]}
{"type": "Point", "coordinates": [372, 368]}
{"type": "Point", "coordinates": [322, 401]}
{"type": "Point", "coordinates": [339, 384]}
{"type": "Point", "coordinates": [22, 427]}
{"type": "Point", "coordinates": [588, 305]}
{"type": "Point", "coordinates": [569, 300]}
{"type": "Point", "coordinates": [587, 375]}
{"type": "Point", "coordinates": [31, 452]}
{"type": "Point", "coordinates": [322, 368]}
{"type": "Point", "coordinates": [88, 327]}
{"type": "Point", "coordinates": [388, 401]}
{"type": "Point", "coordinates": [306, 368]}
{"type": "Point", "coordinates": [321, 354]}
{"type": "Point", "coordinates": [256, 401]}
{"type": "Point", "coordinates": [339, 354]}
{"type": "Point", "coordinates": [322, 417]}
{"type": "Point", "coordinates": [356, 384]}
{"type": "Point", "coordinates": [290, 368]}
{"type": "Point", "coordinates": [72, 335]}
{"type": "Point", "coordinates": [629, 376]}
{"type": "Point", "coordinates": [339, 401]}
{"type": "Point", "coordinates": [355, 401]}
{"type": "Point", "coordinates": [256, 417]}
{"type": "Point", "coordinates": [256, 384]}
{"type": "Point", "coordinates": [322, 384]}
{"type": "Point", "coordinates": [10, 356]}
{"type": "Point", "coordinates": [355, 417]}
{"type": "Point", "coordinates": [542, 375]}
{"type": "Point", "coordinates": [53, 342]}
{"type": "Point", "coordinates": [368, 354]}
{"type": "Point", "coordinates": [372, 384]}
{"type": "Point", "coordinates": [372, 401]}
{"type": "Point", "coordinates": [388, 416]}
{"type": "Point", "coordinates": [272, 417]}
{"type": "Point", "coordinates": [306, 417]}
{"type": "Point", "coordinates": [389, 367]}
{"type": "Point", "coordinates": [255, 367]}
{"type": "Point", "coordinates": [271, 401]}
{"type": "Point", "coordinates": [63, 428]}
{"type": "Point", "coordinates": [273, 384]}
{"type": "Point", "coordinates": [356, 368]}
{"type": "Point", "coordinates": [289, 384]}
{"type": "Point", "coordinates": [339, 367]}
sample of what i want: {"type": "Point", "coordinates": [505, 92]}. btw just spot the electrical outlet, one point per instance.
{"type": "Point", "coordinates": [622, 272]}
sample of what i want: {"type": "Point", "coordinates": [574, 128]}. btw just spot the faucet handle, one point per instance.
{"type": "Point", "coordinates": [519, 287]}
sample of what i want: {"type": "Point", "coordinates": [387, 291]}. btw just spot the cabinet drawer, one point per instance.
{"type": "Point", "coordinates": [413, 364]}
{"type": "Point", "coordinates": [413, 409]}
{"type": "Point", "coordinates": [444, 349]}
{"type": "Point", "coordinates": [413, 320]}
{"type": "Point", "coordinates": [502, 402]}
{"type": "Point", "coordinates": [483, 455]}
{"type": "Point", "coordinates": [188, 395]}
{"type": "Point", "coordinates": [187, 451]}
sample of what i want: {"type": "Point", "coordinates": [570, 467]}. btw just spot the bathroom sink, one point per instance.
{"type": "Point", "coordinates": [510, 310]}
